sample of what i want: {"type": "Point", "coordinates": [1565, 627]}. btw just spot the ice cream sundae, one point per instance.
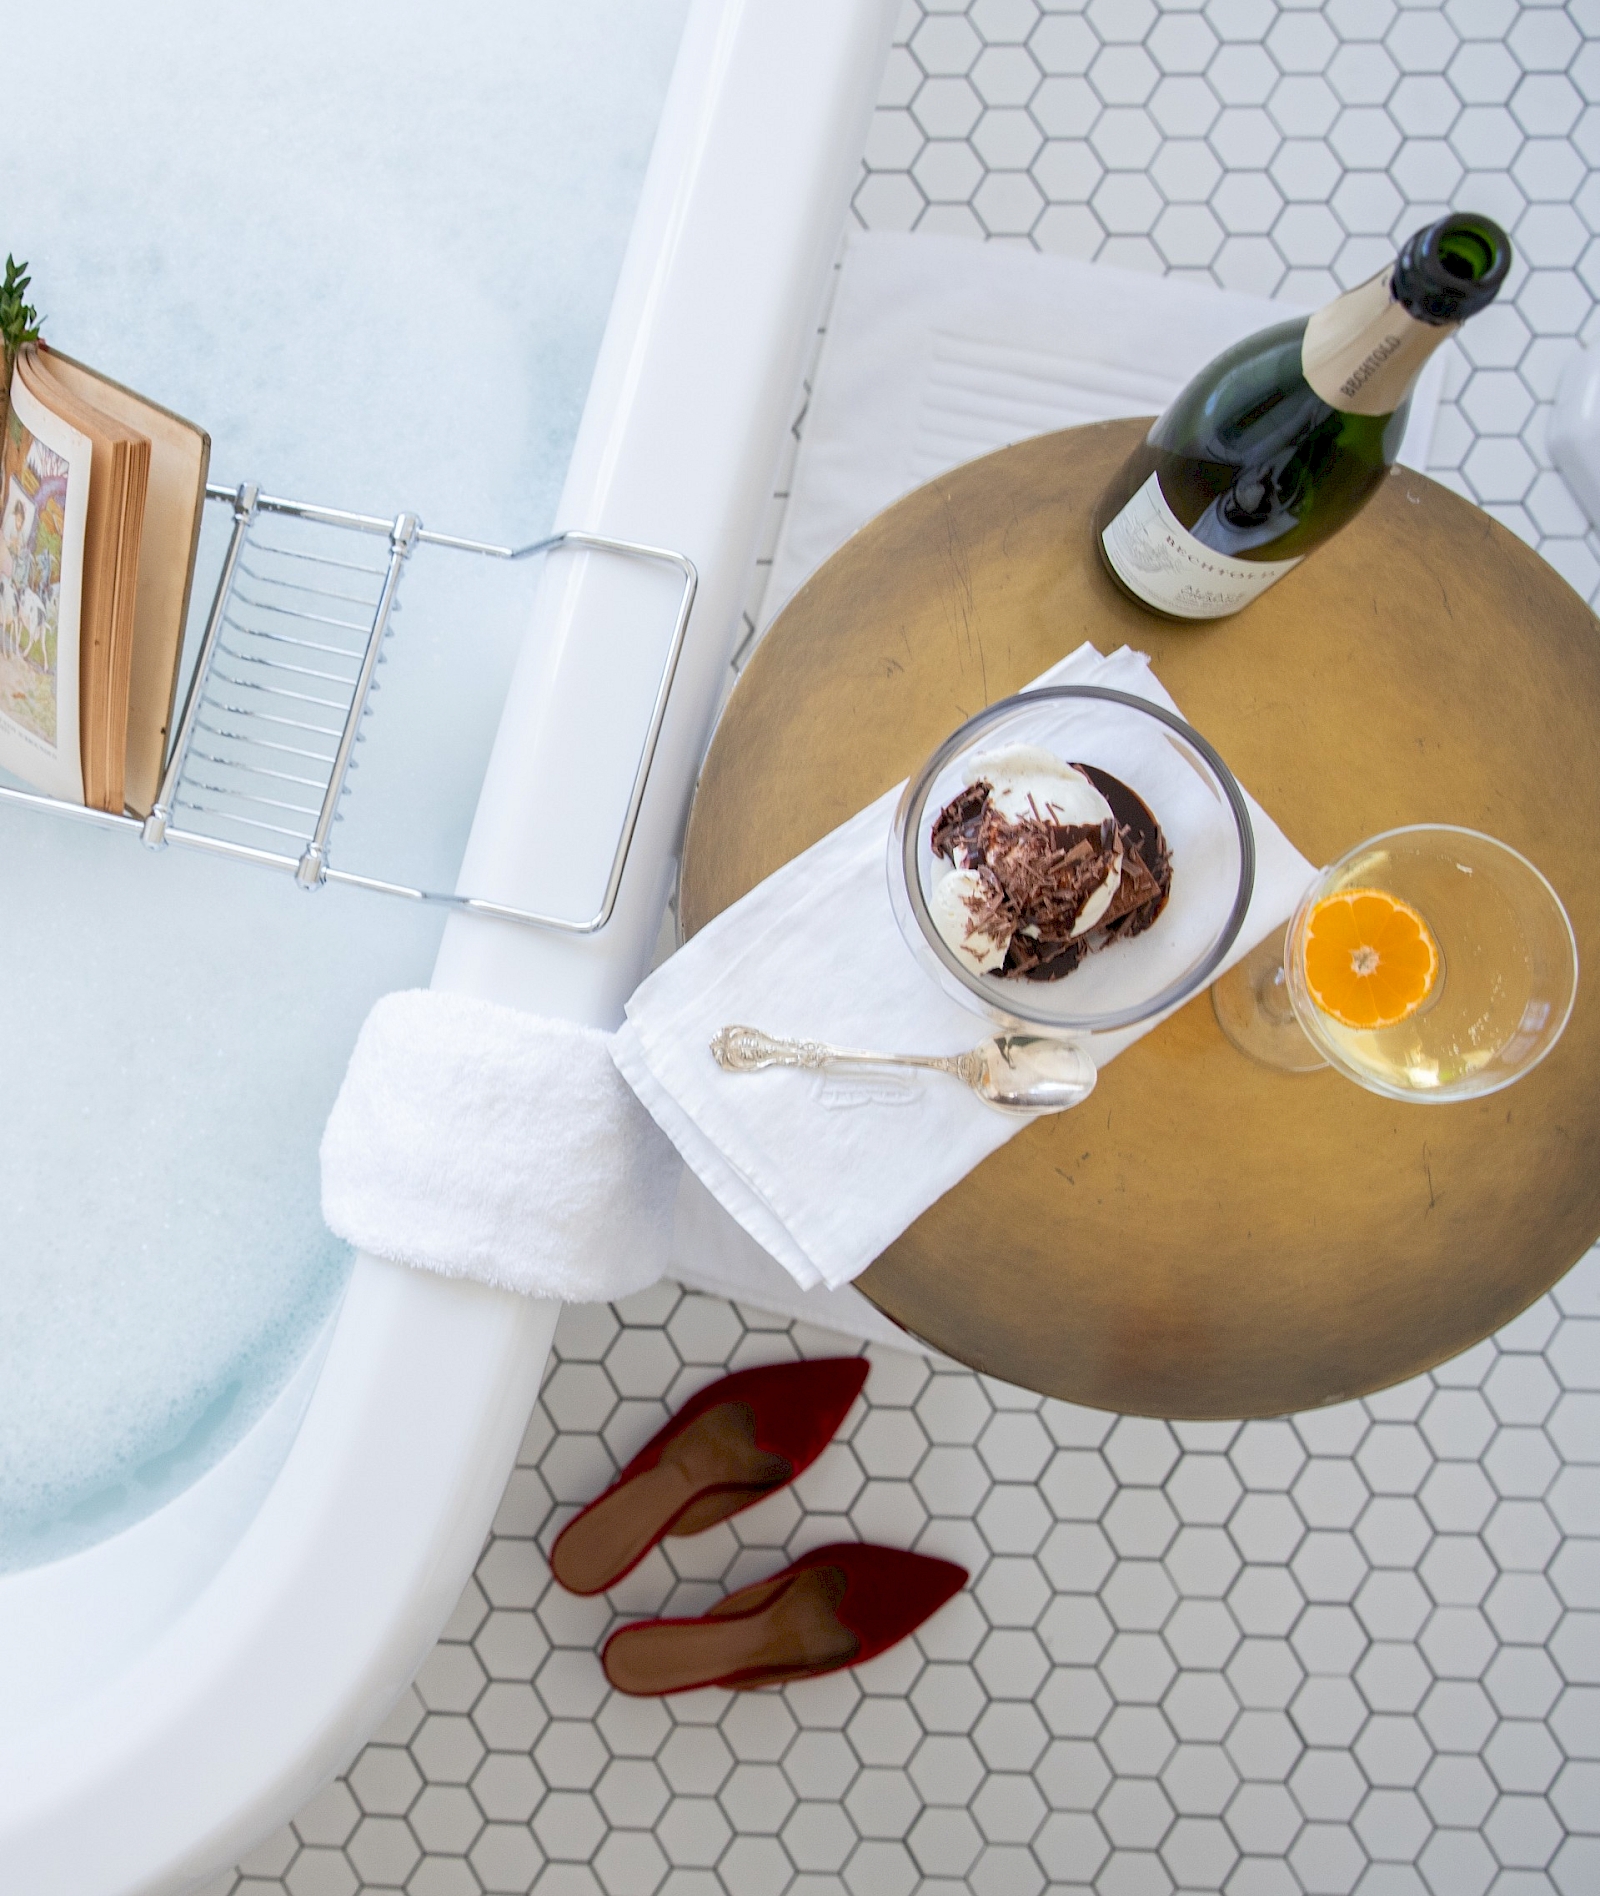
{"type": "Point", "coordinates": [1049, 862]}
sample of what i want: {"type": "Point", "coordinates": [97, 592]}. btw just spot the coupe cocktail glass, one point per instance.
{"type": "Point", "coordinates": [1503, 991]}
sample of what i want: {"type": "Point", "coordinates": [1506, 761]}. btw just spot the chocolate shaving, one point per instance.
{"type": "Point", "coordinates": [1035, 877]}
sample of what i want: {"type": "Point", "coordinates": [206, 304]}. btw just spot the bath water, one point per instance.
{"type": "Point", "coordinates": [370, 249]}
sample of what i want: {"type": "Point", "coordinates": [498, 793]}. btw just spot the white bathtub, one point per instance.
{"type": "Point", "coordinates": [170, 1696]}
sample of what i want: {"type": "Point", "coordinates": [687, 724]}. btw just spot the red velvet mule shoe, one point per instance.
{"type": "Point", "coordinates": [837, 1606]}
{"type": "Point", "coordinates": [736, 1441]}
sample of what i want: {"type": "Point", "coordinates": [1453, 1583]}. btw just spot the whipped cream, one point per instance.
{"type": "Point", "coordinates": [950, 906]}
{"type": "Point", "coordinates": [1025, 781]}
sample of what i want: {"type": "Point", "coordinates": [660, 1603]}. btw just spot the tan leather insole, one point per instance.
{"type": "Point", "coordinates": [762, 1635]}
{"type": "Point", "coordinates": [709, 1471]}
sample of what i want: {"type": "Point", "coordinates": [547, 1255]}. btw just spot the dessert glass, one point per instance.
{"type": "Point", "coordinates": [1193, 796]}
{"type": "Point", "coordinates": [1504, 992]}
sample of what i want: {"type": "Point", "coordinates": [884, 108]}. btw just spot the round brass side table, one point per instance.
{"type": "Point", "coordinates": [1208, 1237]}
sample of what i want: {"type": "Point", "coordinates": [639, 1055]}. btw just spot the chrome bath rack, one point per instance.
{"type": "Point", "coordinates": [258, 762]}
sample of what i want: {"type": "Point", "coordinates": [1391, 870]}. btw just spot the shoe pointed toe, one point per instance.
{"type": "Point", "coordinates": [889, 1591]}
{"type": "Point", "coordinates": [798, 1407]}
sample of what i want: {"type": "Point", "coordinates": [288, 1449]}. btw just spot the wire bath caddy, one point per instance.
{"type": "Point", "coordinates": [258, 760]}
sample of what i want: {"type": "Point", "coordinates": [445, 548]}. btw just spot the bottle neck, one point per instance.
{"type": "Point", "coordinates": [1362, 352]}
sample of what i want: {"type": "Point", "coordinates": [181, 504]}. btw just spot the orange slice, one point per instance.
{"type": "Point", "coordinates": [1370, 960]}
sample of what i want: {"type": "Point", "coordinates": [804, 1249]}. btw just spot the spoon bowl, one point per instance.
{"type": "Point", "coordinates": [1032, 1073]}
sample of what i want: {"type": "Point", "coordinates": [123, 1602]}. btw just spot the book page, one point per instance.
{"type": "Point", "coordinates": [44, 499]}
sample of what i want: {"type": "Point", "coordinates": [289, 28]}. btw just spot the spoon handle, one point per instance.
{"type": "Point", "coordinates": [747, 1050]}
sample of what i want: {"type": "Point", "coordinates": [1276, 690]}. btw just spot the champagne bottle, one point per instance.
{"type": "Point", "coordinates": [1284, 437]}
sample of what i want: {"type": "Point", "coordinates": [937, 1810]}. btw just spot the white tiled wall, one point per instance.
{"type": "Point", "coordinates": [1355, 1651]}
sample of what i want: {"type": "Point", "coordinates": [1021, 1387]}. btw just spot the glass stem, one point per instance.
{"type": "Point", "coordinates": [1272, 995]}
{"type": "Point", "coordinates": [1252, 1006]}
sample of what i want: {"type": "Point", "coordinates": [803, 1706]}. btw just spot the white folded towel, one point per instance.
{"type": "Point", "coordinates": [477, 1141]}
{"type": "Point", "coordinates": [824, 1170]}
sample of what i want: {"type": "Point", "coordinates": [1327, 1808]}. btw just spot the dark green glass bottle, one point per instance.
{"type": "Point", "coordinates": [1284, 437]}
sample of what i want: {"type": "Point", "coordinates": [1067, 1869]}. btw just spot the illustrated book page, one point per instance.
{"type": "Point", "coordinates": [111, 535]}
{"type": "Point", "coordinates": [44, 494]}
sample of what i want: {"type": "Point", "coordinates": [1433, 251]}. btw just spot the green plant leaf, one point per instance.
{"type": "Point", "coordinates": [19, 320]}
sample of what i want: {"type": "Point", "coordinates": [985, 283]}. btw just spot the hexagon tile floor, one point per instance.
{"type": "Point", "coordinates": [1355, 1651]}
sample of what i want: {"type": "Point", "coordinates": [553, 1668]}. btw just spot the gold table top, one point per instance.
{"type": "Point", "coordinates": [1205, 1236]}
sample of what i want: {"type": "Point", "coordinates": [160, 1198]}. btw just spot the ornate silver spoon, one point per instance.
{"type": "Point", "coordinates": [1019, 1073]}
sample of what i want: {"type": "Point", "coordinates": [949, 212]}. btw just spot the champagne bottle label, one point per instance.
{"type": "Point", "coordinates": [1161, 562]}
{"type": "Point", "coordinates": [1362, 351]}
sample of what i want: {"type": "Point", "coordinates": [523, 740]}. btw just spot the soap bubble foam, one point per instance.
{"type": "Point", "coordinates": [371, 250]}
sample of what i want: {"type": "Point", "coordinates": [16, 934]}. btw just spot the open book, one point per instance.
{"type": "Point", "coordinates": [101, 493]}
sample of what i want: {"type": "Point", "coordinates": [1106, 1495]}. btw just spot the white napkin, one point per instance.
{"type": "Point", "coordinates": [940, 349]}
{"type": "Point", "coordinates": [824, 1170]}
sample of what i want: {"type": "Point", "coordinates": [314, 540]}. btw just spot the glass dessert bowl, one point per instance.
{"type": "Point", "coordinates": [1428, 963]}
{"type": "Point", "coordinates": [1101, 764]}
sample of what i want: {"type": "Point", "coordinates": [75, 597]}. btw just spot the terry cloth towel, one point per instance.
{"type": "Point", "coordinates": [478, 1141]}
{"type": "Point", "coordinates": [824, 1170]}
